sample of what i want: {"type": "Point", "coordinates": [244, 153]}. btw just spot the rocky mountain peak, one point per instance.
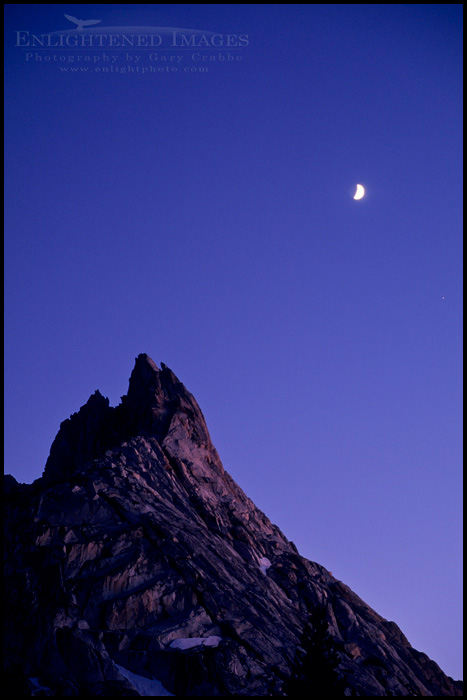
{"type": "Point", "coordinates": [138, 560]}
{"type": "Point", "coordinates": [154, 396]}
{"type": "Point", "coordinates": [145, 380]}
{"type": "Point", "coordinates": [155, 399]}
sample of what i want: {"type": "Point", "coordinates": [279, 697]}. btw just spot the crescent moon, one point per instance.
{"type": "Point", "coordinates": [360, 192]}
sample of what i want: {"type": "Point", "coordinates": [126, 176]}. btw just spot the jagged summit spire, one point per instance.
{"type": "Point", "coordinates": [147, 381]}
{"type": "Point", "coordinates": [154, 397]}
{"type": "Point", "coordinates": [144, 380]}
{"type": "Point", "coordinates": [143, 360]}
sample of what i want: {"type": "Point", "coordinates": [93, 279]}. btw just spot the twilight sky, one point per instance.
{"type": "Point", "coordinates": [201, 211]}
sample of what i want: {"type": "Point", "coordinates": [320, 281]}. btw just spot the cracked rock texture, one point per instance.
{"type": "Point", "coordinates": [135, 536]}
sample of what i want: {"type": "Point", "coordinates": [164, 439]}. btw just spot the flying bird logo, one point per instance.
{"type": "Point", "coordinates": [81, 23]}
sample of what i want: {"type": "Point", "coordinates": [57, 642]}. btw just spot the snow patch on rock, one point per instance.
{"type": "Point", "coordinates": [264, 565]}
{"type": "Point", "coordinates": [188, 643]}
{"type": "Point", "coordinates": [144, 686]}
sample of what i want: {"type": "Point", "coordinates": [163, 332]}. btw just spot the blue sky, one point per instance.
{"type": "Point", "coordinates": [206, 217]}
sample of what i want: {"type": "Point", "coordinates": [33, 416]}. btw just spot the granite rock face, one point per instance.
{"type": "Point", "coordinates": [136, 540]}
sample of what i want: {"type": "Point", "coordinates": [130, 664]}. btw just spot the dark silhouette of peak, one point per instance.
{"type": "Point", "coordinates": [145, 380]}
{"type": "Point", "coordinates": [80, 437]}
{"type": "Point", "coordinates": [136, 553]}
{"type": "Point", "coordinates": [9, 484]}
